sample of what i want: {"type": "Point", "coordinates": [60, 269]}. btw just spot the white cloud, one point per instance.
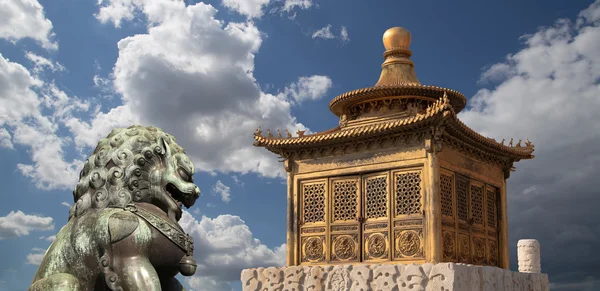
{"type": "Point", "coordinates": [36, 257]}
{"type": "Point", "coordinates": [249, 8]}
{"type": "Point", "coordinates": [17, 99]}
{"type": "Point", "coordinates": [26, 19]}
{"type": "Point", "coordinates": [237, 181]}
{"type": "Point", "coordinates": [549, 92]}
{"type": "Point", "coordinates": [324, 32]}
{"type": "Point", "coordinates": [51, 238]}
{"type": "Point", "coordinates": [42, 63]}
{"type": "Point", "coordinates": [222, 190]}
{"type": "Point", "coordinates": [5, 139]}
{"type": "Point", "coordinates": [206, 69]}
{"type": "Point", "coordinates": [308, 88]}
{"type": "Point", "coordinates": [208, 283]}
{"type": "Point", "coordinates": [223, 246]}
{"type": "Point", "coordinates": [17, 224]}
{"type": "Point", "coordinates": [290, 5]}
{"type": "Point", "coordinates": [23, 97]}
{"type": "Point", "coordinates": [344, 34]}
{"type": "Point", "coordinates": [64, 203]}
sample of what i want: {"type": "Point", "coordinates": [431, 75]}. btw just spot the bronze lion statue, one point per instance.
{"type": "Point", "coordinates": [123, 231]}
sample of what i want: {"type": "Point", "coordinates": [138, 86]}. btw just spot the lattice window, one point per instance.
{"type": "Point", "coordinates": [446, 182]}
{"type": "Point", "coordinates": [408, 193]}
{"type": "Point", "coordinates": [344, 206]}
{"type": "Point", "coordinates": [491, 208]}
{"type": "Point", "coordinates": [376, 196]}
{"type": "Point", "coordinates": [462, 202]}
{"type": "Point", "coordinates": [314, 202]}
{"type": "Point", "coordinates": [477, 204]}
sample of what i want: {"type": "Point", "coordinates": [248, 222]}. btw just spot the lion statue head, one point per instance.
{"type": "Point", "coordinates": [136, 164]}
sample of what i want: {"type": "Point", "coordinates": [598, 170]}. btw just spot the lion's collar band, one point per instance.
{"type": "Point", "coordinates": [172, 232]}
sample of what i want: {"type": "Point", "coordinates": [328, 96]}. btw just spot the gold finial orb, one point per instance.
{"type": "Point", "coordinates": [396, 37]}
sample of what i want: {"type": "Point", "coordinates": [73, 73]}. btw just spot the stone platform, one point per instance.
{"type": "Point", "coordinates": [398, 277]}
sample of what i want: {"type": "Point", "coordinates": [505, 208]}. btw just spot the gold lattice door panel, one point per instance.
{"type": "Point", "coordinates": [376, 222]}
{"type": "Point", "coordinates": [447, 201]}
{"type": "Point", "coordinates": [470, 224]}
{"type": "Point", "coordinates": [463, 222]}
{"type": "Point", "coordinates": [407, 198]}
{"type": "Point", "coordinates": [313, 221]}
{"type": "Point", "coordinates": [491, 203]}
{"type": "Point", "coordinates": [344, 219]}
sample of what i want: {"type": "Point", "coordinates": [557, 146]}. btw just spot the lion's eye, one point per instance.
{"type": "Point", "coordinates": [184, 175]}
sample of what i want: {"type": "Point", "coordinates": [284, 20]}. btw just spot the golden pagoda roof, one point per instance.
{"type": "Point", "coordinates": [440, 111]}
{"type": "Point", "coordinates": [398, 83]}
{"type": "Point", "coordinates": [397, 79]}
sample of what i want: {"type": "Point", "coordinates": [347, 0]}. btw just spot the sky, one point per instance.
{"type": "Point", "coordinates": [210, 73]}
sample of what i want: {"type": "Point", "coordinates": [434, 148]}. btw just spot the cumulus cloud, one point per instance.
{"type": "Point", "coordinates": [17, 224]}
{"type": "Point", "coordinates": [48, 238]}
{"type": "Point", "coordinates": [549, 92]}
{"type": "Point", "coordinates": [223, 246]}
{"type": "Point", "coordinates": [308, 88]}
{"type": "Point", "coordinates": [23, 98]}
{"type": "Point", "coordinates": [36, 257]}
{"type": "Point", "coordinates": [205, 67]}
{"type": "Point", "coordinates": [325, 33]}
{"type": "Point", "coordinates": [249, 8]}
{"type": "Point", "coordinates": [26, 19]}
{"type": "Point", "coordinates": [222, 190]}
{"type": "Point", "coordinates": [5, 139]}
{"type": "Point", "coordinates": [41, 63]}
{"type": "Point", "coordinates": [290, 5]}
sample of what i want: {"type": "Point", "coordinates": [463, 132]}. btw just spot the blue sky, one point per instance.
{"type": "Point", "coordinates": [211, 72]}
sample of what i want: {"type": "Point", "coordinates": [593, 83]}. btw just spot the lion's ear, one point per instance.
{"type": "Point", "coordinates": [165, 146]}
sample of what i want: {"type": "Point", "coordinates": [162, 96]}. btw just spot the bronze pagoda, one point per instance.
{"type": "Point", "coordinates": [400, 180]}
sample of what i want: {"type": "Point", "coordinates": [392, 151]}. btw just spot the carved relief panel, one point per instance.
{"type": "Point", "coordinates": [375, 217]}
{"type": "Point", "coordinates": [469, 211]}
{"type": "Point", "coordinates": [376, 221]}
{"type": "Point", "coordinates": [345, 224]}
{"type": "Point", "coordinates": [407, 201]}
{"type": "Point", "coordinates": [313, 221]}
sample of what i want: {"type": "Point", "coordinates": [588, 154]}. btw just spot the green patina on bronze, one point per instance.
{"type": "Point", "coordinates": [122, 232]}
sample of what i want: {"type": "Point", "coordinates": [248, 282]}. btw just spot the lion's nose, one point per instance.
{"type": "Point", "coordinates": [196, 192]}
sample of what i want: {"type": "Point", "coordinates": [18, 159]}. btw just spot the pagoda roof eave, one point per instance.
{"type": "Point", "coordinates": [442, 112]}
{"type": "Point", "coordinates": [337, 105]}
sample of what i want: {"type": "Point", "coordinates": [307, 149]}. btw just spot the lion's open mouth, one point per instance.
{"type": "Point", "coordinates": [179, 197]}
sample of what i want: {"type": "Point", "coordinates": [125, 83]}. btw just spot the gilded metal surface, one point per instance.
{"type": "Point", "coordinates": [314, 202]}
{"type": "Point", "coordinates": [344, 228]}
{"type": "Point", "coordinates": [401, 167]}
{"type": "Point", "coordinates": [408, 243]}
{"type": "Point", "coordinates": [449, 245]}
{"type": "Point", "coordinates": [313, 249]}
{"type": "Point", "coordinates": [345, 248]}
{"type": "Point", "coordinates": [408, 193]}
{"type": "Point", "coordinates": [447, 199]}
{"type": "Point", "coordinates": [376, 245]}
{"type": "Point", "coordinates": [345, 206]}
{"type": "Point", "coordinates": [313, 229]}
{"type": "Point", "coordinates": [376, 197]}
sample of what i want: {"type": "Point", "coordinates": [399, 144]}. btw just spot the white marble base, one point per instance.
{"type": "Point", "coordinates": [363, 277]}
